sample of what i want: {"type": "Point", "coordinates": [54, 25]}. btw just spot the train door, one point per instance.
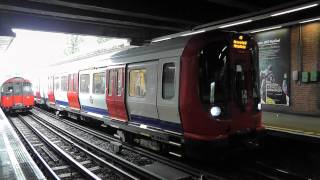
{"type": "Point", "coordinates": [168, 94]}
{"type": "Point", "coordinates": [93, 100]}
{"type": "Point", "coordinates": [27, 94]}
{"type": "Point", "coordinates": [142, 93]}
{"type": "Point", "coordinates": [17, 93]}
{"type": "Point", "coordinates": [115, 93]}
{"type": "Point", "coordinates": [73, 96]}
{"type": "Point", "coordinates": [98, 94]}
{"type": "Point", "coordinates": [51, 87]}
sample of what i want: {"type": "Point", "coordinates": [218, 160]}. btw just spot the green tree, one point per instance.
{"type": "Point", "coordinates": [101, 40]}
{"type": "Point", "coordinates": [73, 44]}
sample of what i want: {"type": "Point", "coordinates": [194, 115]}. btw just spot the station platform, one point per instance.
{"type": "Point", "coordinates": [15, 161]}
{"type": "Point", "coordinates": [292, 124]}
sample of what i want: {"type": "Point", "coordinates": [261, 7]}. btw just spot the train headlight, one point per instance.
{"type": "Point", "coordinates": [259, 107]}
{"type": "Point", "coordinates": [215, 111]}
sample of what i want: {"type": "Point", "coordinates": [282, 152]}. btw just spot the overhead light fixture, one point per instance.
{"type": "Point", "coordinates": [192, 33]}
{"type": "Point", "coordinates": [266, 29]}
{"type": "Point", "coordinates": [162, 39]}
{"type": "Point", "coordinates": [295, 9]}
{"type": "Point", "coordinates": [310, 20]}
{"type": "Point", "coordinates": [235, 23]}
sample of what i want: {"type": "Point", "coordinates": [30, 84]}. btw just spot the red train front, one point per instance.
{"type": "Point", "coordinates": [16, 95]}
{"type": "Point", "coordinates": [219, 94]}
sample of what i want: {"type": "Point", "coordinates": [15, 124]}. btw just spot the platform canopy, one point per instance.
{"type": "Point", "coordinates": [143, 20]}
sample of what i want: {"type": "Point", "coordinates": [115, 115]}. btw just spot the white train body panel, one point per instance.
{"type": "Point", "coordinates": [60, 91]}
{"type": "Point", "coordinates": [92, 102]}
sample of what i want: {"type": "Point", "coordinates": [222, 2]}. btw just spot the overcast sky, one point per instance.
{"type": "Point", "coordinates": [33, 50]}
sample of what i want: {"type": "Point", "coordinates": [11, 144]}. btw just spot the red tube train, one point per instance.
{"type": "Point", "coordinates": [16, 95]}
{"type": "Point", "coordinates": [181, 96]}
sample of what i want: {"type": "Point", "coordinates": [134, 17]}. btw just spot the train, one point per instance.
{"type": "Point", "coordinates": [184, 96]}
{"type": "Point", "coordinates": [16, 95]}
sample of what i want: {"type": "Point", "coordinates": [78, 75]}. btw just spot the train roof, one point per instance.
{"type": "Point", "coordinates": [16, 79]}
{"type": "Point", "coordinates": [163, 49]}
{"type": "Point", "coordinates": [153, 51]}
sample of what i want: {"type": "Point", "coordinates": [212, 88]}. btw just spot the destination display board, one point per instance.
{"type": "Point", "coordinates": [274, 66]}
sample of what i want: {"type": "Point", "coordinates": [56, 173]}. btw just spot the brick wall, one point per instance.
{"type": "Point", "coordinates": [305, 97]}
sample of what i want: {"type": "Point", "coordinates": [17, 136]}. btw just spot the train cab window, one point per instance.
{"type": "Point", "coordinates": [56, 83]}
{"type": "Point", "coordinates": [84, 83]}
{"type": "Point", "coordinates": [213, 70]}
{"type": "Point", "coordinates": [64, 83]}
{"type": "Point", "coordinates": [119, 82]}
{"type": "Point", "coordinates": [7, 89]}
{"type": "Point", "coordinates": [17, 88]}
{"type": "Point", "coordinates": [168, 82]}
{"type": "Point", "coordinates": [137, 83]}
{"type": "Point", "coordinates": [99, 81]}
{"type": "Point", "coordinates": [27, 88]}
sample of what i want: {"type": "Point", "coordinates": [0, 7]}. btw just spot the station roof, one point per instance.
{"type": "Point", "coordinates": [142, 20]}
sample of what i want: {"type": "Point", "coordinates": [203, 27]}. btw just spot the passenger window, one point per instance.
{"type": "Point", "coordinates": [64, 83]}
{"type": "Point", "coordinates": [57, 84]}
{"type": "Point", "coordinates": [99, 81]}
{"type": "Point", "coordinates": [168, 80]}
{"type": "Point", "coordinates": [110, 82]}
{"type": "Point", "coordinates": [70, 84]}
{"type": "Point", "coordinates": [119, 82]}
{"type": "Point", "coordinates": [84, 83]}
{"type": "Point", "coordinates": [137, 84]}
{"type": "Point", "coordinates": [75, 82]}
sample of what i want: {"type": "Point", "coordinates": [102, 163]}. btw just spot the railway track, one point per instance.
{"type": "Point", "coordinates": [142, 157]}
{"type": "Point", "coordinates": [264, 171]}
{"type": "Point", "coordinates": [62, 158]}
{"type": "Point", "coordinates": [106, 145]}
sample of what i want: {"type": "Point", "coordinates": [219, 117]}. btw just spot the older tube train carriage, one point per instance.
{"type": "Point", "coordinates": [16, 95]}
{"type": "Point", "coordinates": [174, 96]}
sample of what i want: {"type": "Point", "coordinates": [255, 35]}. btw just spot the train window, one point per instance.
{"type": "Point", "coordinates": [84, 83]}
{"type": "Point", "coordinates": [17, 88]}
{"type": "Point", "coordinates": [168, 81]}
{"type": "Point", "coordinates": [137, 84]}
{"type": "Point", "coordinates": [7, 89]}
{"type": "Point", "coordinates": [110, 82]}
{"type": "Point", "coordinates": [75, 82]}
{"type": "Point", "coordinates": [57, 83]}
{"type": "Point", "coordinates": [27, 88]}
{"type": "Point", "coordinates": [70, 84]}
{"type": "Point", "coordinates": [64, 83]}
{"type": "Point", "coordinates": [99, 81]}
{"type": "Point", "coordinates": [119, 82]}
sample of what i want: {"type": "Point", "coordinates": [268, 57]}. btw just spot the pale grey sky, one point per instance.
{"type": "Point", "coordinates": [30, 51]}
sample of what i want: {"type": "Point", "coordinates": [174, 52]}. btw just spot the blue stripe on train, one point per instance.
{"type": "Point", "coordinates": [165, 125]}
{"type": "Point", "coordinates": [95, 110]}
{"type": "Point", "coordinates": [63, 103]}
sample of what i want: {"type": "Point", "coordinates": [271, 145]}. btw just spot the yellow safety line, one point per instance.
{"type": "Point", "coordinates": [293, 131]}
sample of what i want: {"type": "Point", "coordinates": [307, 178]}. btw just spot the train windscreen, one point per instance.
{"type": "Point", "coordinates": [228, 75]}
{"type": "Point", "coordinates": [7, 89]}
{"type": "Point", "coordinates": [27, 88]}
{"type": "Point", "coordinates": [214, 77]}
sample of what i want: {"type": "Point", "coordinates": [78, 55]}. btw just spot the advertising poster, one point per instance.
{"type": "Point", "coordinates": [274, 66]}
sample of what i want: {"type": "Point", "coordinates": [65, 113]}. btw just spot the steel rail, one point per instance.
{"type": "Point", "coordinates": [116, 159]}
{"type": "Point", "coordinates": [62, 153]}
{"type": "Point", "coordinates": [95, 157]}
{"type": "Point", "coordinates": [52, 174]}
{"type": "Point", "coordinates": [162, 159]}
